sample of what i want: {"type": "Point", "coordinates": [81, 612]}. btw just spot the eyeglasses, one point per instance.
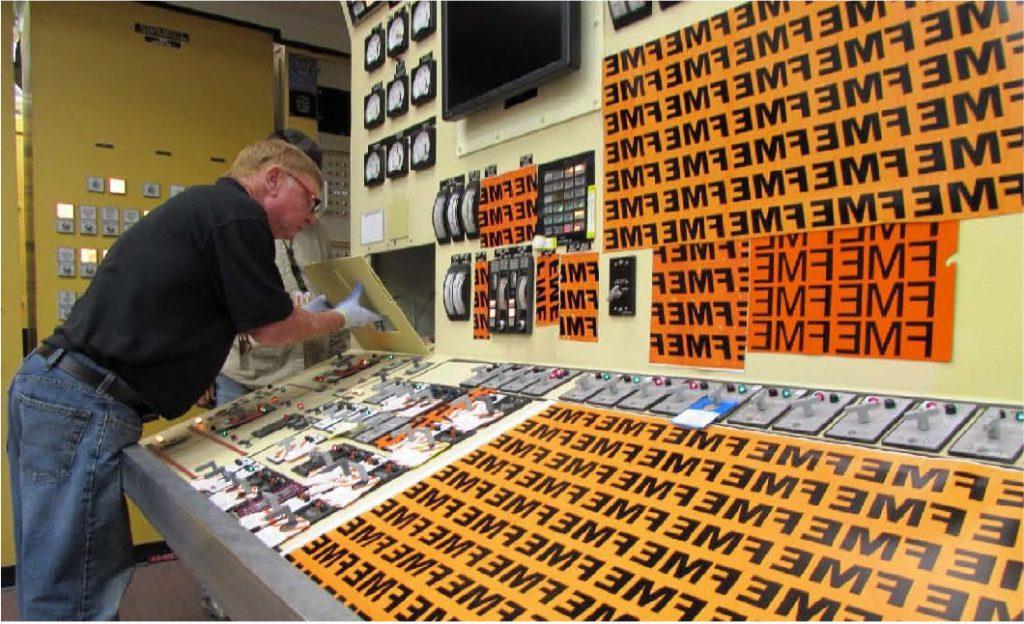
{"type": "Point", "coordinates": [315, 204]}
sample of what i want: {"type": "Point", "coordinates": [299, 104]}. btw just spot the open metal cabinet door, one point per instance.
{"type": "Point", "coordinates": [337, 278]}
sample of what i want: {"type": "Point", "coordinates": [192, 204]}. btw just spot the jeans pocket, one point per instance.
{"type": "Point", "coordinates": [50, 435]}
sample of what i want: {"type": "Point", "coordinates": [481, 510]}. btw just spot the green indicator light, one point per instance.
{"type": "Point", "coordinates": [224, 434]}
{"type": "Point", "coordinates": [1020, 416]}
{"type": "Point", "coordinates": [606, 376]}
{"type": "Point", "coordinates": [391, 357]}
{"type": "Point", "coordinates": [636, 378]}
{"type": "Point", "coordinates": [741, 389]}
{"type": "Point", "coordinates": [787, 394]}
{"type": "Point", "coordinates": [283, 389]}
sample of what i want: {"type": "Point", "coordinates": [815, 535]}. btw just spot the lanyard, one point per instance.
{"type": "Point", "coordinates": [296, 271]}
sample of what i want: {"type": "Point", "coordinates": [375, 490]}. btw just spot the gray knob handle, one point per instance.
{"type": "Point", "coordinates": [923, 418]}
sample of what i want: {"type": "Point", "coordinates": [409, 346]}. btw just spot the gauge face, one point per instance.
{"type": "Point", "coordinates": [373, 109]}
{"type": "Point", "coordinates": [453, 202]}
{"type": "Point", "coordinates": [396, 96]}
{"type": "Point", "coordinates": [421, 147]}
{"type": "Point", "coordinates": [373, 48]}
{"type": "Point", "coordinates": [422, 20]}
{"type": "Point", "coordinates": [440, 229]}
{"type": "Point", "coordinates": [421, 82]}
{"type": "Point", "coordinates": [469, 199]}
{"type": "Point", "coordinates": [396, 33]}
{"type": "Point", "coordinates": [453, 212]}
{"type": "Point", "coordinates": [396, 156]}
{"type": "Point", "coordinates": [372, 167]}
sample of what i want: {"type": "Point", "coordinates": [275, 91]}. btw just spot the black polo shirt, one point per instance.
{"type": "Point", "coordinates": [173, 292]}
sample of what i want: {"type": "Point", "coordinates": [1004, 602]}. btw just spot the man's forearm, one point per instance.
{"type": "Point", "coordinates": [299, 326]}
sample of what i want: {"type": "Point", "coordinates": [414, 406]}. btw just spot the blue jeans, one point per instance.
{"type": "Point", "coordinates": [71, 531]}
{"type": "Point", "coordinates": [228, 389]}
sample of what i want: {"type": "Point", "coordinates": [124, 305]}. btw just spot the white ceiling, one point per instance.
{"type": "Point", "coordinates": [315, 23]}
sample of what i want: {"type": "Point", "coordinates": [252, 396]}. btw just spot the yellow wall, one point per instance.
{"type": "Point", "coordinates": [93, 79]}
{"type": "Point", "coordinates": [988, 334]}
{"type": "Point", "coordinates": [13, 276]}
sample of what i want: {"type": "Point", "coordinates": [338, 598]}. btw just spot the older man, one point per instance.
{"type": "Point", "coordinates": [147, 338]}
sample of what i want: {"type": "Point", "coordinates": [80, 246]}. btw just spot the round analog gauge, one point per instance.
{"type": "Point", "coordinates": [421, 147]}
{"type": "Point", "coordinates": [469, 198]}
{"type": "Point", "coordinates": [421, 81]}
{"type": "Point", "coordinates": [396, 156]}
{"type": "Point", "coordinates": [453, 207]}
{"type": "Point", "coordinates": [396, 32]}
{"type": "Point", "coordinates": [421, 16]}
{"type": "Point", "coordinates": [372, 166]}
{"type": "Point", "coordinates": [373, 48]}
{"type": "Point", "coordinates": [372, 111]}
{"type": "Point", "coordinates": [396, 95]}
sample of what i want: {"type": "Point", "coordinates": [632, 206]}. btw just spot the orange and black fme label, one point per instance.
{"type": "Point", "coordinates": [481, 275]}
{"type": "Point", "coordinates": [699, 295]}
{"type": "Point", "coordinates": [508, 207]}
{"type": "Point", "coordinates": [546, 290]}
{"type": "Point", "coordinates": [784, 117]}
{"type": "Point", "coordinates": [881, 292]}
{"type": "Point", "coordinates": [577, 296]}
{"type": "Point", "coordinates": [585, 514]}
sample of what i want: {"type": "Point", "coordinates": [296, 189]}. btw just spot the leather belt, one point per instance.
{"type": "Point", "coordinates": [107, 383]}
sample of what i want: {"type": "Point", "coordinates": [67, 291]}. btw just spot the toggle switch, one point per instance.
{"type": "Point", "coordinates": [994, 427]}
{"type": "Point", "coordinates": [862, 411]}
{"type": "Point", "coordinates": [807, 405]}
{"type": "Point", "coordinates": [929, 426]}
{"type": "Point", "coordinates": [995, 436]}
{"type": "Point", "coordinates": [923, 418]}
{"type": "Point", "coordinates": [811, 414]}
{"type": "Point", "coordinates": [761, 402]}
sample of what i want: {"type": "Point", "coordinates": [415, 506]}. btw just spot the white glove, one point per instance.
{"type": "Point", "coordinates": [355, 314]}
{"type": "Point", "coordinates": [318, 304]}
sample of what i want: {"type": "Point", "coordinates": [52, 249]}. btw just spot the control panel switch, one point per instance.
{"type": "Point", "coordinates": [996, 435]}
{"type": "Point", "coordinates": [928, 426]}
{"type": "Point", "coordinates": [813, 413]}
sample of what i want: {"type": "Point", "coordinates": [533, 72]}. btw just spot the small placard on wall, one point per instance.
{"type": "Point", "coordinates": [371, 227]}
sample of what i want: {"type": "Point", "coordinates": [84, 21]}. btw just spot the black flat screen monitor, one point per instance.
{"type": "Point", "coordinates": [497, 50]}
